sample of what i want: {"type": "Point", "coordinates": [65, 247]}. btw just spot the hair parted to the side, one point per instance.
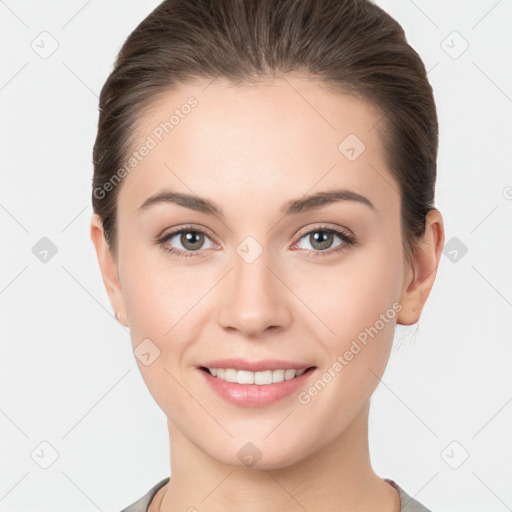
{"type": "Point", "coordinates": [352, 45]}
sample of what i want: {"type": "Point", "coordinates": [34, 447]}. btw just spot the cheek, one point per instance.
{"type": "Point", "coordinates": [163, 301]}
{"type": "Point", "coordinates": [353, 296]}
{"type": "Point", "coordinates": [163, 306]}
{"type": "Point", "coordinates": [359, 306]}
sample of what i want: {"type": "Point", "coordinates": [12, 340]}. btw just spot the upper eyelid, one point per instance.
{"type": "Point", "coordinates": [325, 227]}
{"type": "Point", "coordinates": [186, 227]}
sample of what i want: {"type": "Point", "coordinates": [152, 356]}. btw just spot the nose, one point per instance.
{"type": "Point", "coordinates": [253, 297]}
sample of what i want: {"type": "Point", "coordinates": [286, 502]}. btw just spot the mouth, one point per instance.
{"type": "Point", "coordinates": [259, 378]}
{"type": "Point", "coordinates": [259, 383]}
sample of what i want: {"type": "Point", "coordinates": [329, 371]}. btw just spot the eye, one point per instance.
{"type": "Point", "coordinates": [191, 240]}
{"type": "Point", "coordinates": [321, 238]}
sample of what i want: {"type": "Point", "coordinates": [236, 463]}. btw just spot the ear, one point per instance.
{"type": "Point", "coordinates": [423, 269]}
{"type": "Point", "coordinates": [108, 267]}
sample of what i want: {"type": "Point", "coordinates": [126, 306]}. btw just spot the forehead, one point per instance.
{"type": "Point", "coordinates": [274, 140]}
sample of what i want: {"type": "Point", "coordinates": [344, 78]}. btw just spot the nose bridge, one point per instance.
{"type": "Point", "coordinates": [251, 269]}
{"type": "Point", "coordinates": [253, 297]}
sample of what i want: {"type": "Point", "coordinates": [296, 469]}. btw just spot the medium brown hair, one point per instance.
{"type": "Point", "coordinates": [351, 45]}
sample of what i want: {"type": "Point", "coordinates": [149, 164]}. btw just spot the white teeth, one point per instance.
{"type": "Point", "coordinates": [261, 378]}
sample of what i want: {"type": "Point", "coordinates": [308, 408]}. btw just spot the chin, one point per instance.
{"type": "Point", "coordinates": [260, 454]}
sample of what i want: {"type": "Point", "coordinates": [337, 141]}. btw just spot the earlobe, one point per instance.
{"type": "Point", "coordinates": [108, 267]}
{"type": "Point", "coordinates": [425, 263]}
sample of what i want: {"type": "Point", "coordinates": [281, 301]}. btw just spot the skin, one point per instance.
{"type": "Point", "coordinates": [250, 149]}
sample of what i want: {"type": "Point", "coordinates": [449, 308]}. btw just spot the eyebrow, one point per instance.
{"type": "Point", "coordinates": [292, 207]}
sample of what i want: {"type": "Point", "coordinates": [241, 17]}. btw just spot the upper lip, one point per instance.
{"type": "Point", "coordinates": [255, 366]}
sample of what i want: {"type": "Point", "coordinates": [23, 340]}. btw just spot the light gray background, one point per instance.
{"type": "Point", "coordinates": [67, 373]}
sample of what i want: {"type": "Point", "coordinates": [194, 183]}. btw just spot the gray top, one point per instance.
{"type": "Point", "coordinates": [407, 504]}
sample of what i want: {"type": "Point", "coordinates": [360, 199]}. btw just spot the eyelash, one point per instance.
{"type": "Point", "coordinates": [348, 240]}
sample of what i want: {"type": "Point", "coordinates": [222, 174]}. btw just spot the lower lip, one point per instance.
{"type": "Point", "coordinates": [254, 395]}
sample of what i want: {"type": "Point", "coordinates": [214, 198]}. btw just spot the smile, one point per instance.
{"type": "Point", "coordinates": [262, 378]}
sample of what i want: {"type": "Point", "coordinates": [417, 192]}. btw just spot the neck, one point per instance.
{"type": "Point", "coordinates": [337, 477]}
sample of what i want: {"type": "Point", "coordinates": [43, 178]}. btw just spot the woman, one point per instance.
{"type": "Point", "coordinates": [264, 216]}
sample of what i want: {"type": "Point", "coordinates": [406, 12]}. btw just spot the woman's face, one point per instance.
{"type": "Point", "coordinates": [257, 283]}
